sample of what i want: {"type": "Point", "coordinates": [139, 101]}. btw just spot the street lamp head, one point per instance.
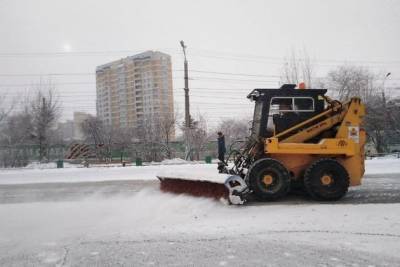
{"type": "Point", "coordinates": [182, 44]}
{"type": "Point", "coordinates": [388, 74]}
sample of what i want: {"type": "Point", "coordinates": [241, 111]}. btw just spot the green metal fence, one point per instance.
{"type": "Point", "coordinates": [20, 156]}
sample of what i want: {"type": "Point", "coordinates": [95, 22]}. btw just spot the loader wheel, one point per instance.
{"type": "Point", "coordinates": [268, 179]}
{"type": "Point", "coordinates": [326, 179]}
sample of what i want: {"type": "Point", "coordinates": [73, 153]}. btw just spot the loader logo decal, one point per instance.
{"type": "Point", "coordinates": [342, 143]}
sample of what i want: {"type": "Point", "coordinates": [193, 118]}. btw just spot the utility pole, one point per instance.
{"type": "Point", "coordinates": [383, 91]}
{"type": "Point", "coordinates": [385, 120]}
{"type": "Point", "coordinates": [187, 107]}
{"type": "Point", "coordinates": [187, 110]}
{"type": "Point", "coordinates": [383, 84]}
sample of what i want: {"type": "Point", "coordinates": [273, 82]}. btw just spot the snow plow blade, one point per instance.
{"type": "Point", "coordinates": [231, 188]}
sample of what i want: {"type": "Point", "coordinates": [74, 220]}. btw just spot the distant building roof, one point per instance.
{"type": "Point", "coordinates": [144, 55]}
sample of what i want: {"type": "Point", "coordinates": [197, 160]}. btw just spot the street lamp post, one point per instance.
{"type": "Point", "coordinates": [385, 120]}
{"type": "Point", "coordinates": [187, 110]}
{"type": "Point", "coordinates": [383, 85]}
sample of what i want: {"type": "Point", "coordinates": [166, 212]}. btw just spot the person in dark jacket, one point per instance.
{"type": "Point", "coordinates": [221, 147]}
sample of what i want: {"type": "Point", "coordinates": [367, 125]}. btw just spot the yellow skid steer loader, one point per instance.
{"type": "Point", "coordinates": [298, 136]}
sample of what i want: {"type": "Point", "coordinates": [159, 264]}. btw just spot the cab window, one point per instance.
{"type": "Point", "coordinates": [304, 104]}
{"type": "Point", "coordinates": [281, 104]}
{"type": "Point", "coordinates": [291, 104]}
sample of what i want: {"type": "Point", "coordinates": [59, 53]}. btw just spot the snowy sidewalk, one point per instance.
{"type": "Point", "coordinates": [96, 174]}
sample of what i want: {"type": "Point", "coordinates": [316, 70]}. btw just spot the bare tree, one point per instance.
{"type": "Point", "coordinates": [298, 69]}
{"type": "Point", "coordinates": [356, 81]}
{"type": "Point", "coordinates": [151, 139]}
{"type": "Point", "coordinates": [375, 123]}
{"type": "Point", "coordinates": [155, 134]}
{"type": "Point", "coordinates": [123, 139]}
{"type": "Point", "coordinates": [348, 81]}
{"type": "Point", "coordinates": [92, 129]}
{"type": "Point", "coordinates": [391, 121]}
{"type": "Point", "coordinates": [149, 136]}
{"type": "Point", "coordinates": [393, 112]}
{"type": "Point", "coordinates": [166, 123]}
{"type": "Point", "coordinates": [16, 136]}
{"type": "Point", "coordinates": [5, 109]}
{"type": "Point", "coordinates": [234, 130]}
{"type": "Point", "coordinates": [198, 137]}
{"type": "Point", "coordinates": [45, 110]}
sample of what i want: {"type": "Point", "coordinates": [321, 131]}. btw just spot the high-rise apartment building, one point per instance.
{"type": "Point", "coordinates": [134, 89]}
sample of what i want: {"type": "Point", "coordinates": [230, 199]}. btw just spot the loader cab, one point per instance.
{"type": "Point", "coordinates": [277, 110]}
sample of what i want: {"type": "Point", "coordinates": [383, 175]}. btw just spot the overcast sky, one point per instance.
{"type": "Point", "coordinates": [39, 38]}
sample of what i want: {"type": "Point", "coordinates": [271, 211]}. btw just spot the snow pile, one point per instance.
{"type": "Point", "coordinates": [174, 161]}
{"type": "Point", "coordinates": [53, 165]}
{"type": "Point", "coordinates": [97, 174]}
{"type": "Point", "coordinates": [388, 156]}
{"type": "Point", "coordinates": [382, 165]}
{"type": "Point", "coordinates": [195, 175]}
{"type": "Point", "coordinates": [38, 165]}
{"type": "Point", "coordinates": [49, 165]}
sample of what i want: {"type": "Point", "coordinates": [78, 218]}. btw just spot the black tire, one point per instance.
{"type": "Point", "coordinates": [280, 177]}
{"type": "Point", "coordinates": [338, 183]}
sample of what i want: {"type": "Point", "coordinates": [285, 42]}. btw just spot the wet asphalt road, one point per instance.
{"type": "Point", "coordinates": [375, 189]}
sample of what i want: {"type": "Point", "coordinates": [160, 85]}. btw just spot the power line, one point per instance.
{"type": "Point", "coordinates": [86, 103]}
{"type": "Point", "coordinates": [282, 61]}
{"type": "Point", "coordinates": [55, 83]}
{"type": "Point", "coordinates": [226, 79]}
{"type": "Point", "coordinates": [174, 78]}
{"type": "Point", "coordinates": [74, 53]}
{"type": "Point", "coordinates": [234, 74]}
{"type": "Point", "coordinates": [242, 55]}
{"type": "Point", "coordinates": [47, 74]}
{"type": "Point", "coordinates": [174, 70]}
{"type": "Point", "coordinates": [198, 78]}
{"type": "Point", "coordinates": [205, 53]}
{"type": "Point", "coordinates": [203, 93]}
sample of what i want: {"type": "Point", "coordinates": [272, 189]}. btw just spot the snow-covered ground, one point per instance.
{"type": "Point", "coordinates": [382, 166]}
{"type": "Point", "coordinates": [116, 172]}
{"type": "Point", "coordinates": [153, 228]}
{"type": "Point", "coordinates": [93, 174]}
